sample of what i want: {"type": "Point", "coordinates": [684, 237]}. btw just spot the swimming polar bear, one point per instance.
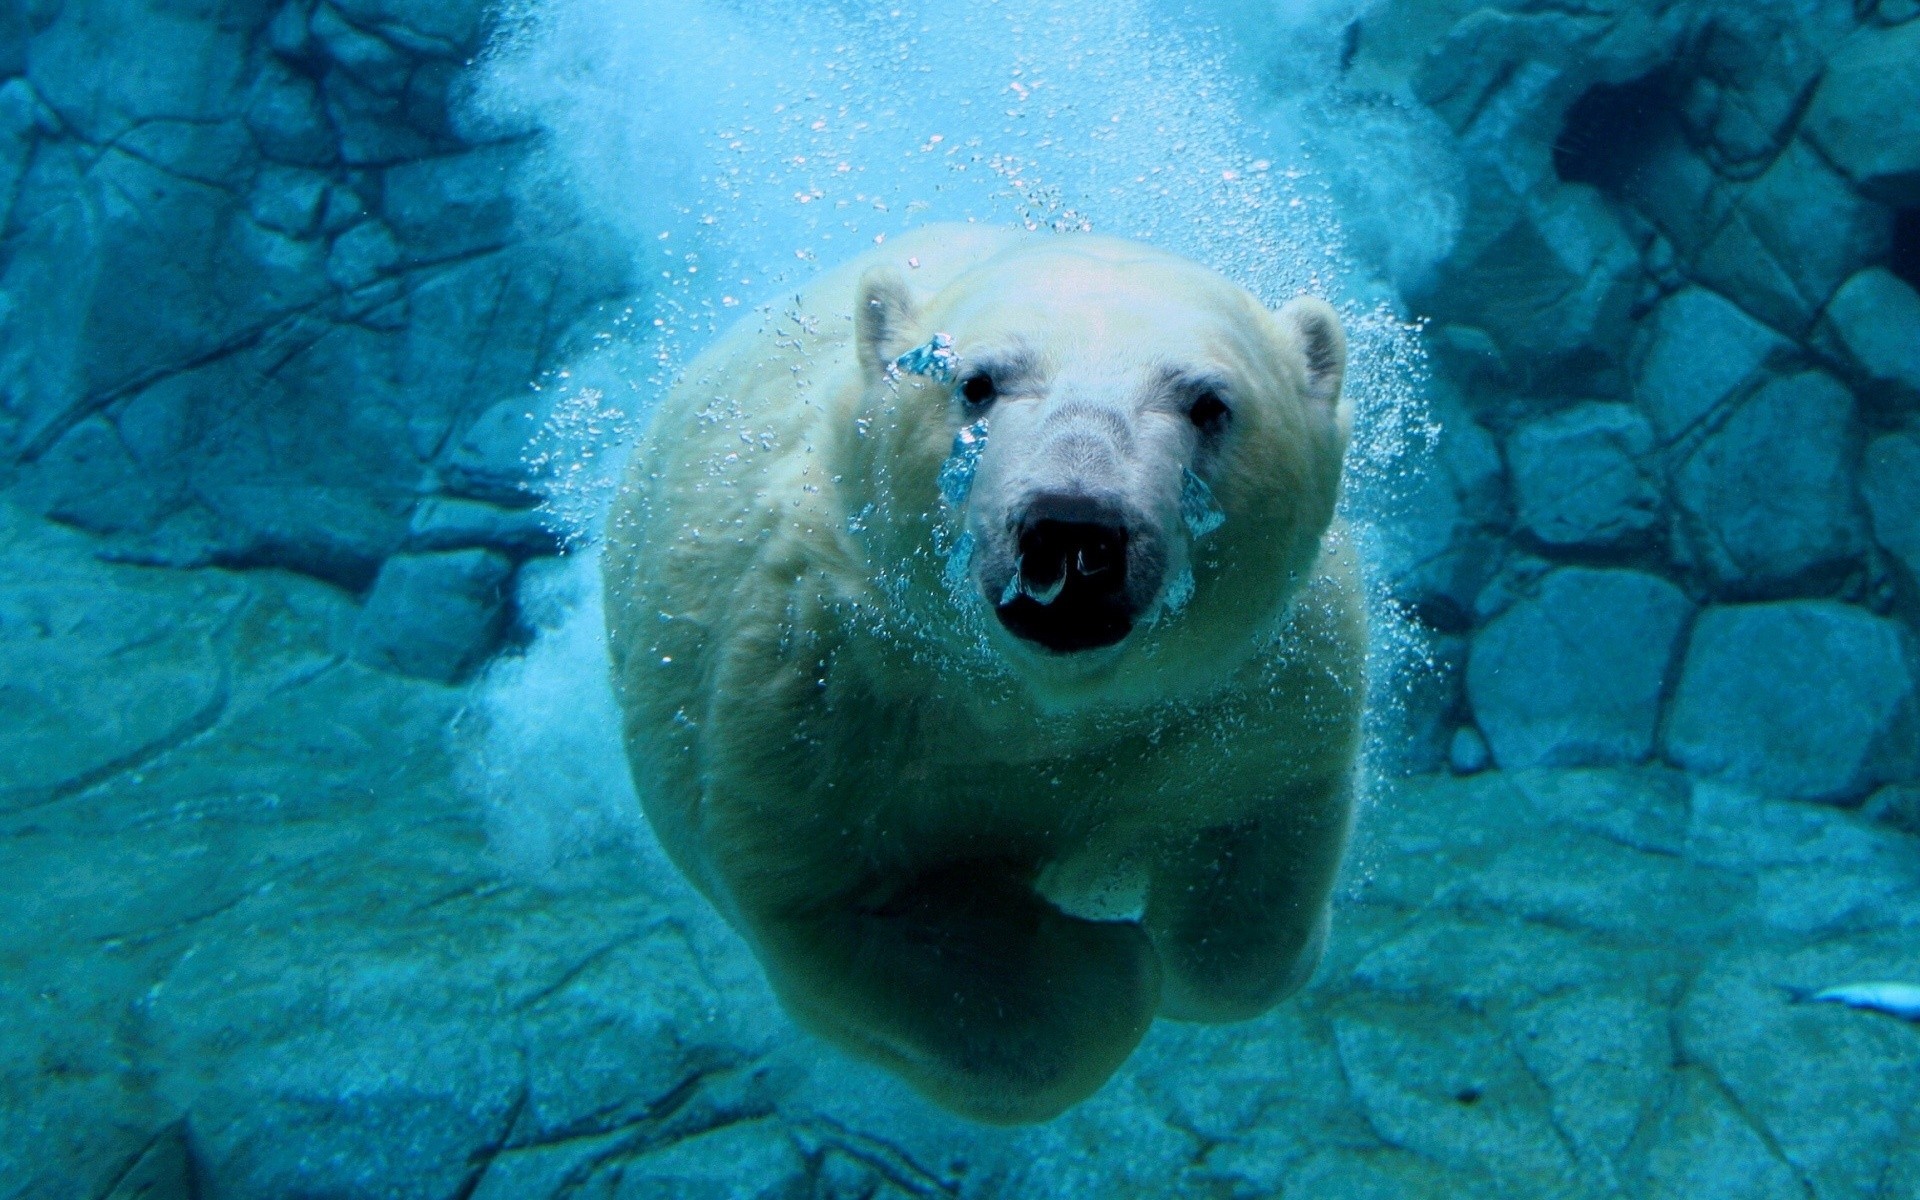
{"type": "Point", "coordinates": [990, 657]}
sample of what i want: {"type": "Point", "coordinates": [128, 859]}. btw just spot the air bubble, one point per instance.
{"type": "Point", "coordinates": [1201, 512]}
{"type": "Point", "coordinates": [959, 563]}
{"type": "Point", "coordinates": [936, 360]}
{"type": "Point", "coordinates": [1179, 592]}
{"type": "Point", "coordinates": [956, 474]}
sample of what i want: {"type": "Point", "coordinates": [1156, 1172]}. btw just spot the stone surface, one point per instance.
{"type": "Point", "coordinates": [1468, 752]}
{"type": "Point", "coordinates": [1898, 805]}
{"type": "Point", "coordinates": [1582, 477]}
{"type": "Point", "coordinates": [1694, 352]}
{"type": "Point", "coordinates": [270, 300]}
{"type": "Point", "coordinates": [1763, 258]}
{"type": "Point", "coordinates": [1555, 285]}
{"type": "Point", "coordinates": [1866, 115]}
{"type": "Point", "coordinates": [1810, 699]}
{"type": "Point", "coordinates": [1873, 325]}
{"type": "Point", "coordinates": [1573, 675]}
{"type": "Point", "coordinates": [1890, 484]}
{"type": "Point", "coordinates": [434, 615]}
{"type": "Point", "coordinates": [1765, 501]}
{"type": "Point", "coordinates": [491, 459]}
{"type": "Point", "coordinates": [447, 523]}
{"type": "Point", "coordinates": [252, 278]}
{"type": "Point", "coordinates": [1419, 700]}
{"type": "Point", "coordinates": [1440, 543]}
{"type": "Point", "coordinates": [286, 954]}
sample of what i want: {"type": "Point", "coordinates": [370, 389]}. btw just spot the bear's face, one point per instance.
{"type": "Point", "coordinates": [1141, 444]}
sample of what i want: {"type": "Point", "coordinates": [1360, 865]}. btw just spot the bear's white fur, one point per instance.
{"type": "Point", "coordinates": [985, 863]}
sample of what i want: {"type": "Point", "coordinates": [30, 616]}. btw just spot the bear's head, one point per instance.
{"type": "Point", "coordinates": [1129, 454]}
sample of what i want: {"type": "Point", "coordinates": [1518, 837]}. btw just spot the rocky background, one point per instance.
{"type": "Point", "coordinates": [267, 299]}
{"type": "Point", "coordinates": [271, 302]}
{"type": "Point", "coordinates": [1676, 510]}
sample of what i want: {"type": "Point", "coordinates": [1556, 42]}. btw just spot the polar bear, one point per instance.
{"type": "Point", "coordinates": [989, 655]}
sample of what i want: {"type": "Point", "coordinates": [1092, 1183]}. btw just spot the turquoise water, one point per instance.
{"type": "Point", "coordinates": [328, 330]}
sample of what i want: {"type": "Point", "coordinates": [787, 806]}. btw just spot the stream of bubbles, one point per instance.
{"type": "Point", "coordinates": [736, 148]}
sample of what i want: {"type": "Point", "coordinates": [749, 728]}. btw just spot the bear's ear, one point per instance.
{"type": "Point", "coordinates": [883, 318]}
{"type": "Point", "coordinates": [1315, 328]}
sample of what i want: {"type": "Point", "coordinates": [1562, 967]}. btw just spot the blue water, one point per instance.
{"type": "Point", "coordinates": [327, 332]}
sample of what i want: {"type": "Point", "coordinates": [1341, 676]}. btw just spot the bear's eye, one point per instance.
{"type": "Point", "coordinates": [1209, 413]}
{"type": "Point", "coordinates": [978, 389]}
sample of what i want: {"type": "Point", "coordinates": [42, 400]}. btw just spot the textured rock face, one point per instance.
{"type": "Point", "coordinates": [1890, 482]}
{"type": "Point", "coordinates": [434, 615]}
{"type": "Point", "coordinates": [1872, 325]}
{"type": "Point", "coordinates": [265, 947]}
{"type": "Point", "coordinates": [1573, 675]}
{"type": "Point", "coordinates": [1810, 699]}
{"type": "Point", "coordinates": [1442, 545]}
{"type": "Point", "coordinates": [269, 299]}
{"type": "Point", "coordinates": [262, 278]}
{"type": "Point", "coordinates": [1582, 477]}
{"type": "Point", "coordinates": [1741, 428]}
{"type": "Point", "coordinates": [1766, 499]}
{"type": "Point", "coordinates": [1866, 115]}
{"type": "Point", "coordinates": [1694, 352]}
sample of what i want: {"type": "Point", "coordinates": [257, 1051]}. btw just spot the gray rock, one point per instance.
{"type": "Point", "coordinates": [1449, 1089]}
{"type": "Point", "coordinates": [425, 27]}
{"type": "Point", "coordinates": [1756, 65]}
{"type": "Point", "coordinates": [373, 126]}
{"type": "Point", "coordinates": [68, 720]}
{"type": "Point", "coordinates": [1580, 477]}
{"type": "Point", "coordinates": [89, 479]}
{"type": "Point", "coordinates": [1556, 285]}
{"type": "Point", "coordinates": [1866, 115]}
{"type": "Point", "coordinates": [20, 121]}
{"type": "Point", "coordinates": [1574, 675]}
{"type": "Point", "coordinates": [362, 254]}
{"type": "Point", "coordinates": [1696, 350]}
{"type": "Point", "coordinates": [436, 615]}
{"type": "Point", "coordinates": [1438, 544]}
{"type": "Point", "coordinates": [1808, 699]}
{"type": "Point", "coordinates": [453, 524]}
{"type": "Point", "coordinates": [107, 67]}
{"type": "Point", "coordinates": [280, 952]}
{"type": "Point", "coordinates": [1704, 1149]}
{"type": "Point", "coordinates": [220, 153]}
{"type": "Point", "coordinates": [1603, 1054]}
{"type": "Point", "coordinates": [1419, 699]}
{"type": "Point", "coordinates": [492, 312]}
{"type": "Point", "coordinates": [372, 61]}
{"type": "Point", "coordinates": [1835, 1127]}
{"type": "Point", "coordinates": [491, 460]}
{"type": "Point", "coordinates": [1897, 804]}
{"type": "Point", "coordinates": [289, 199]}
{"type": "Point", "coordinates": [1765, 502]}
{"type": "Point", "coordinates": [1872, 325]}
{"type": "Point", "coordinates": [1766, 256]}
{"type": "Point", "coordinates": [743, 1161]}
{"type": "Point", "coordinates": [287, 119]}
{"type": "Point", "coordinates": [1468, 752]}
{"type": "Point", "coordinates": [455, 205]}
{"type": "Point", "coordinates": [1890, 484]}
{"type": "Point", "coordinates": [1678, 191]}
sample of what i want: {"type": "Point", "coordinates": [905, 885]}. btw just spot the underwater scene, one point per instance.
{"type": "Point", "coordinates": [858, 599]}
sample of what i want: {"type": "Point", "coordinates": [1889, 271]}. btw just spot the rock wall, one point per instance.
{"type": "Point", "coordinates": [1676, 503]}
{"type": "Point", "coordinates": [268, 296]}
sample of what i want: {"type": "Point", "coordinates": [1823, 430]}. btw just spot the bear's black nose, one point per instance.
{"type": "Point", "coordinates": [1069, 587]}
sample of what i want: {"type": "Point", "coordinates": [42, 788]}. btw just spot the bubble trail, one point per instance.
{"type": "Point", "coordinates": [733, 149]}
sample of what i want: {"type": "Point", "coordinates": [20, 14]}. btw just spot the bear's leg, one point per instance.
{"type": "Point", "coordinates": [981, 994]}
{"type": "Point", "coordinates": [1239, 913]}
